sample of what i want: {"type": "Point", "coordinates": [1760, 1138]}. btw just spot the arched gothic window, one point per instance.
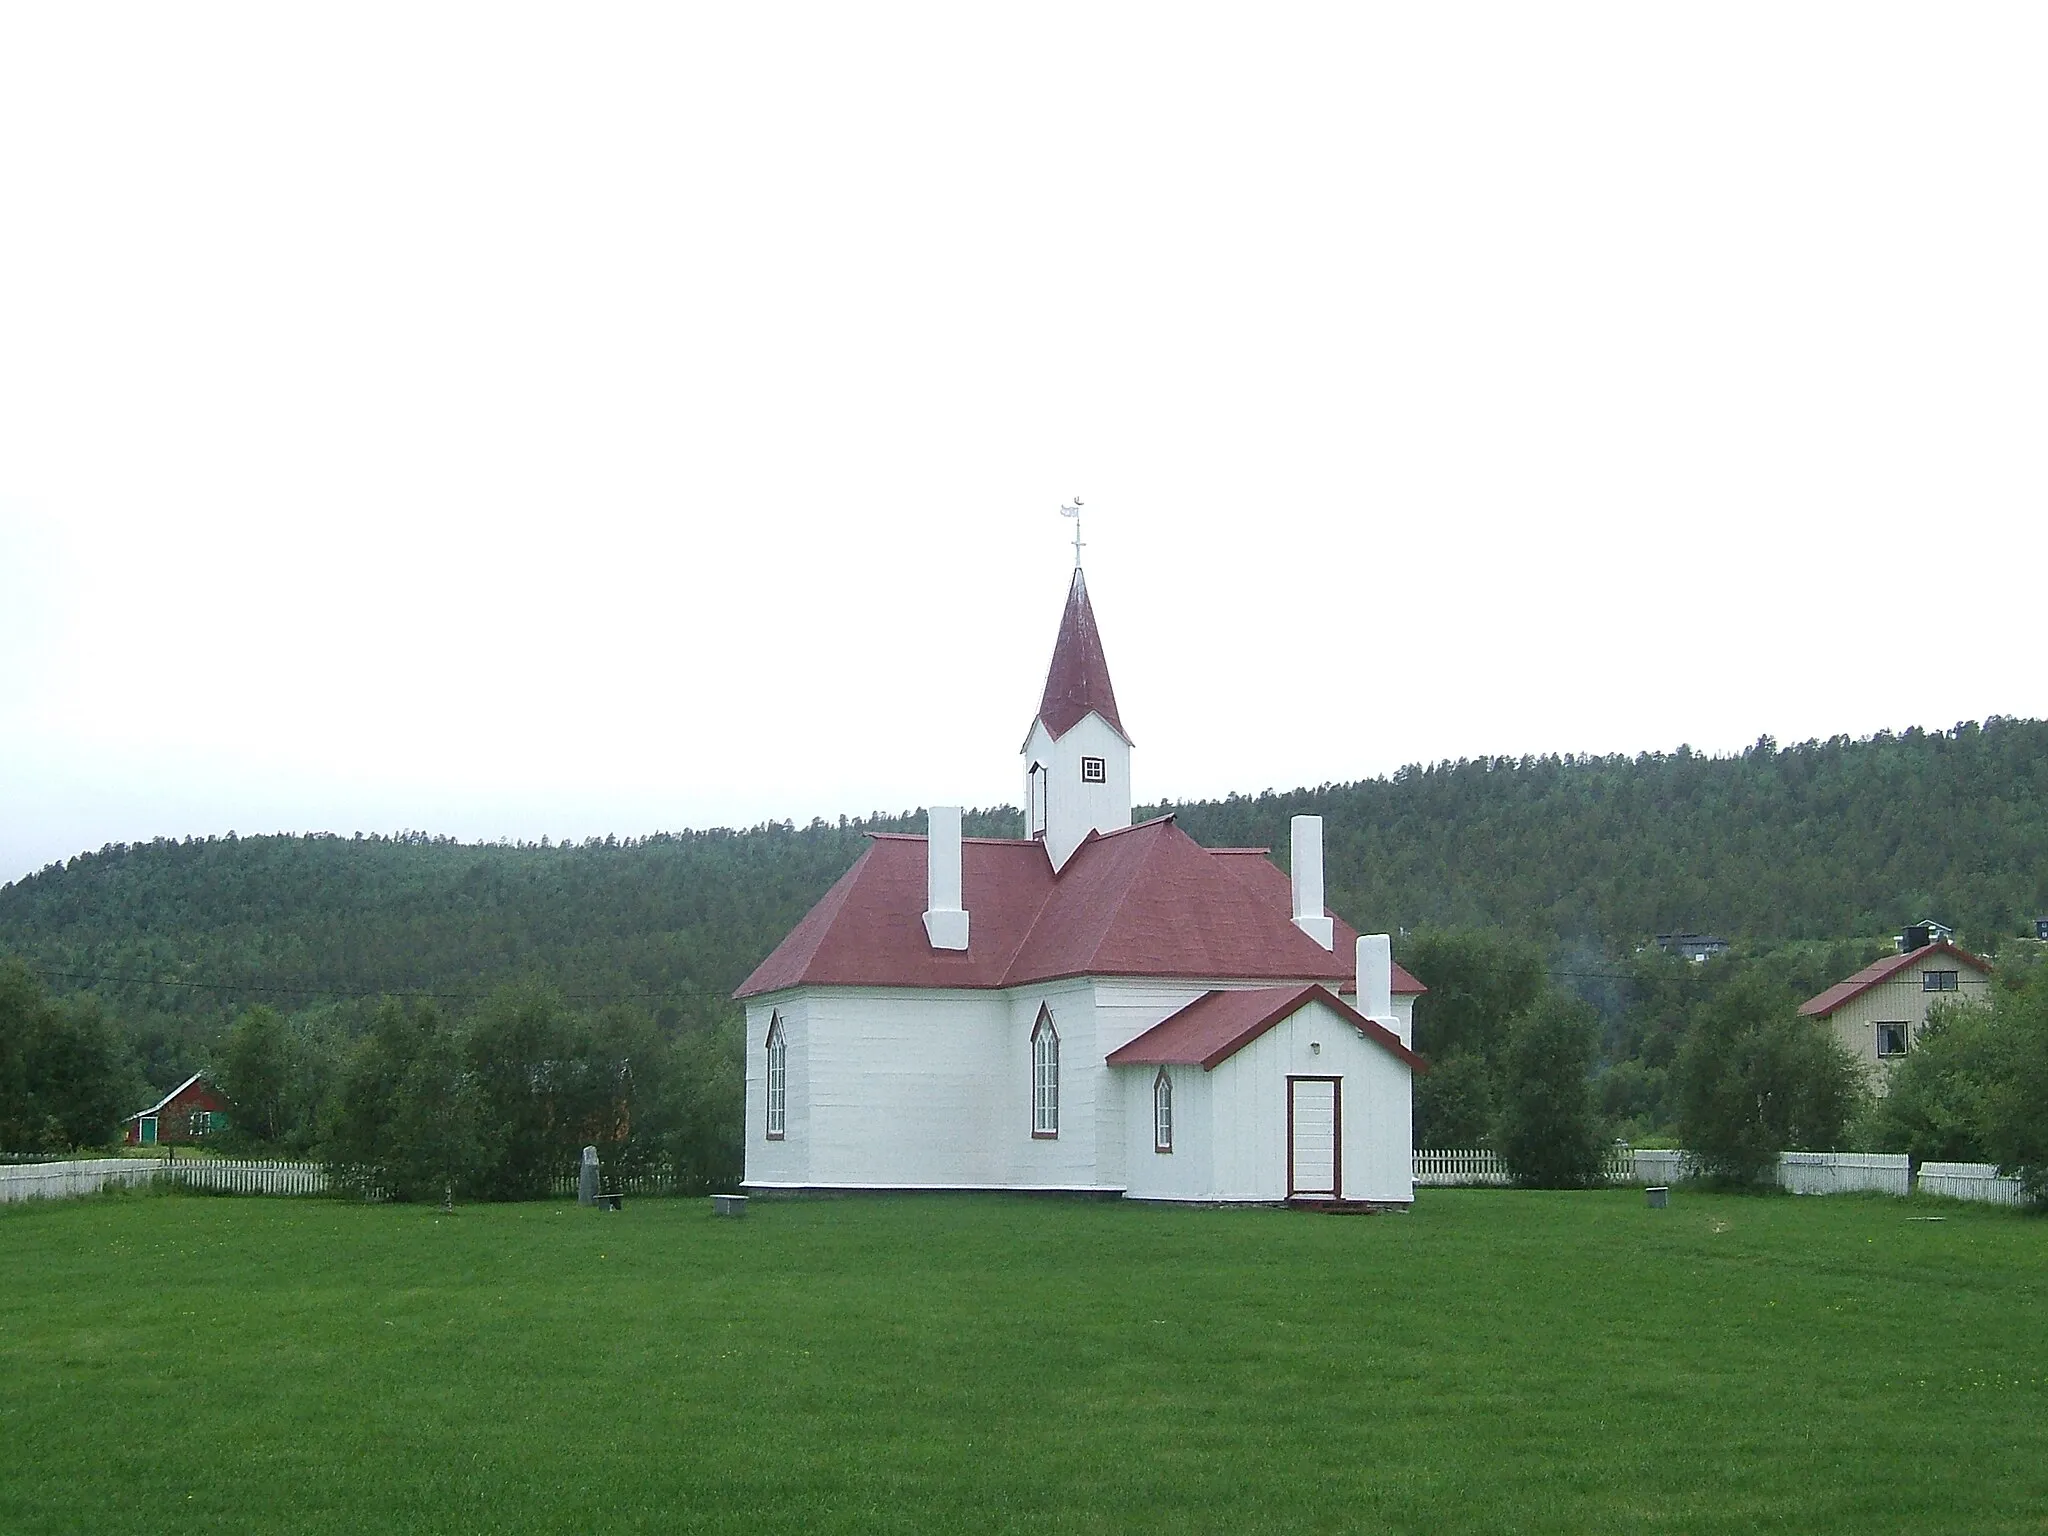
{"type": "Point", "coordinates": [1045, 1077]}
{"type": "Point", "coordinates": [778, 1079]}
{"type": "Point", "coordinates": [1162, 1112]}
{"type": "Point", "coordinates": [1034, 811]}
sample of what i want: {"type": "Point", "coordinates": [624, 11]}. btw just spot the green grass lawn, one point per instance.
{"type": "Point", "coordinates": [1495, 1361]}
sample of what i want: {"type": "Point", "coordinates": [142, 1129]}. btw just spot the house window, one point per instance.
{"type": "Point", "coordinates": [1094, 771]}
{"type": "Point", "coordinates": [1891, 1039]}
{"type": "Point", "coordinates": [1940, 981]}
{"type": "Point", "coordinates": [1162, 1112]}
{"type": "Point", "coordinates": [201, 1123]}
{"type": "Point", "coordinates": [1045, 1077]}
{"type": "Point", "coordinates": [778, 1079]}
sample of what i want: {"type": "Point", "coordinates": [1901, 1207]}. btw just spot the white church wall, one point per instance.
{"type": "Point", "coordinates": [902, 1084]}
{"type": "Point", "coordinates": [914, 1089]}
{"type": "Point", "coordinates": [1188, 1171]}
{"type": "Point", "coordinates": [783, 1161]}
{"type": "Point", "coordinates": [1250, 1109]}
{"type": "Point", "coordinates": [1090, 1114]}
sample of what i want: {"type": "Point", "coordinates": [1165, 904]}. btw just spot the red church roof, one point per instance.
{"type": "Point", "coordinates": [1217, 1025]}
{"type": "Point", "coordinates": [1144, 901]}
{"type": "Point", "coordinates": [1078, 680]}
{"type": "Point", "coordinates": [1884, 970]}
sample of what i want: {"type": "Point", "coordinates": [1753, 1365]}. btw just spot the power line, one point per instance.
{"type": "Point", "coordinates": [695, 988]}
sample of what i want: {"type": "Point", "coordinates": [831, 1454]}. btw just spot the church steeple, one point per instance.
{"type": "Point", "coordinates": [1078, 680]}
{"type": "Point", "coordinates": [1077, 759]}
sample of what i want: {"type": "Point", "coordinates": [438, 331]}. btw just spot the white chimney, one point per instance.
{"type": "Point", "coordinates": [1306, 858]}
{"type": "Point", "coordinates": [1376, 983]}
{"type": "Point", "coordinates": [945, 920]}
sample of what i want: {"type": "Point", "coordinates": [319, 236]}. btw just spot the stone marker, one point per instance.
{"type": "Point", "coordinates": [1660, 1196]}
{"type": "Point", "coordinates": [586, 1182]}
{"type": "Point", "coordinates": [728, 1205]}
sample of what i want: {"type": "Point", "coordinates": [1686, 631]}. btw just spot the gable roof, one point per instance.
{"type": "Point", "coordinates": [1078, 680]}
{"type": "Point", "coordinates": [1884, 970]}
{"type": "Point", "coordinates": [1142, 901]}
{"type": "Point", "coordinates": [1217, 1025]}
{"type": "Point", "coordinates": [160, 1103]}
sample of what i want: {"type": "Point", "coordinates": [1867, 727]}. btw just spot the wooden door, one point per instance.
{"type": "Point", "coordinates": [1315, 1152]}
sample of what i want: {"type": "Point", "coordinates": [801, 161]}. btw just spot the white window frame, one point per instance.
{"type": "Point", "coordinates": [777, 1127]}
{"type": "Point", "coordinates": [1905, 1037]}
{"type": "Point", "coordinates": [1162, 1112]}
{"type": "Point", "coordinates": [1045, 1077]}
{"type": "Point", "coordinates": [1094, 770]}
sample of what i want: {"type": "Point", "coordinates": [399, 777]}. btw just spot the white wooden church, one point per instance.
{"type": "Point", "coordinates": [1098, 1007]}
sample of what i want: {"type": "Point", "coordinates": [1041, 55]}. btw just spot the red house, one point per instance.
{"type": "Point", "coordinates": [192, 1111]}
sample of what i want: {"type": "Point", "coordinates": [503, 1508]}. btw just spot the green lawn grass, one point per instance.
{"type": "Point", "coordinates": [1494, 1361]}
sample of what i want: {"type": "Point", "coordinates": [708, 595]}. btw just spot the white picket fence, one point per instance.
{"type": "Point", "coordinates": [80, 1176]}
{"type": "Point", "coordinates": [1970, 1181]}
{"type": "Point", "coordinates": [246, 1176]}
{"type": "Point", "coordinates": [1845, 1173]}
{"type": "Point", "coordinates": [1446, 1169]}
{"type": "Point", "coordinates": [88, 1176]}
{"type": "Point", "coordinates": [1802, 1173]}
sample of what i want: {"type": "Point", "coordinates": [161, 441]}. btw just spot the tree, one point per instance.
{"type": "Point", "coordinates": [1479, 980]}
{"type": "Point", "coordinates": [1755, 1080]}
{"type": "Point", "coordinates": [254, 1074]}
{"type": "Point", "coordinates": [64, 1079]}
{"type": "Point", "coordinates": [1935, 1106]}
{"type": "Point", "coordinates": [536, 1095]}
{"type": "Point", "coordinates": [1454, 1102]}
{"type": "Point", "coordinates": [404, 1121]}
{"type": "Point", "coordinates": [2015, 1114]}
{"type": "Point", "coordinates": [1548, 1134]}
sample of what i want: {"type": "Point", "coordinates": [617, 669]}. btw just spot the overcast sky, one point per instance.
{"type": "Point", "coordinates": [511, 421]}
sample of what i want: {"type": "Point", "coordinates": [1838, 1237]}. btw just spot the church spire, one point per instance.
{"type": "Point", "coordinates": [1077, 759]}
{"type": "Point", "coordinates": [1078, 680]}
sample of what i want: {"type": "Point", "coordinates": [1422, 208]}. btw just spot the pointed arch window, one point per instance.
{"type": "Point", "coordinates": [1162, 1112]}
{"type": "Point", "coordinates": [1035, 802]}
{"type": "Point", "coordinates": [778, 1079]}
{"type": "Point", "coordinates": [1045, 1077]}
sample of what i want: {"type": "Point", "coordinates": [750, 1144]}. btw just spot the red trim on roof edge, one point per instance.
{"type": "Point", "coordinates": [1879, 972]}
{"type": "Point", "coordinates": [1291, 1002]}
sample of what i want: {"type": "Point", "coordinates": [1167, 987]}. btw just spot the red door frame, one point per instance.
{"type": "Point", "coordinates": [1336, 1191]}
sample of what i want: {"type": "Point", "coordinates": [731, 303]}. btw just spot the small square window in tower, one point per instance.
{"type": "Point", "coordinates": [1094, 770]}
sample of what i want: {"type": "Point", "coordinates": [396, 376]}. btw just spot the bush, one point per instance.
{"type": "Point", "coordinates": [1548, 1133]}
{"type": "Point", "coordinates": [1755, 1080]}
{"type": "Point", "coordinates": [1936, 1107]}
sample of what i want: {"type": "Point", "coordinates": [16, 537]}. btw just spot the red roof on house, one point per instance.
{"type": "Point", "coordinates": [1078, 680]}
{"type": "Point", "coordinates": [1884, 970]}
{"type": "Point", "coordinates": [1142, 901]}
{"type": "Point", "coordinates": [1217, 1025]}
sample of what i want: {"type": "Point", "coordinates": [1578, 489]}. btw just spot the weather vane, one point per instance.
{"type": "Point", "coordinates": [1074, 512]}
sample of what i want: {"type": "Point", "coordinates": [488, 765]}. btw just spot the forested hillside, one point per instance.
{"type": "Point", "coordinates": [1817, 841]}
{"type": "Point", "coordinates": [1580, 855]}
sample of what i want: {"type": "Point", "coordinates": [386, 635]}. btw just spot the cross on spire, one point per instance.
{"type": "Point", "coordinates": [1074, 512]}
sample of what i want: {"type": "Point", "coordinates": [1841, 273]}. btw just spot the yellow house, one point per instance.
{"type": "Point", "coordinates": [1878, 1013]}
